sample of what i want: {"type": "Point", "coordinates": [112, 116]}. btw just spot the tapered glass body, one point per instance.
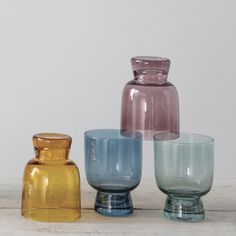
{"type": "Point", "coordinates": [113, 163]}
{"type": "Point", "coordinates": [51, 182]}
{"type": "Point", "coordinates": [150, 103]}
{"type": "Point", "coordinates": [184, 171]}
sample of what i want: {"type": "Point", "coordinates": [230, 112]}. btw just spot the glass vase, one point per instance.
{"type": "Point", "coordinates": [184, 171]}
{"type": "Point", "coordinates": [113, 164]}
{"type": "Point", "coordinates": [51, 182]}
{"type": "Point", "coordinates": [150, 103]}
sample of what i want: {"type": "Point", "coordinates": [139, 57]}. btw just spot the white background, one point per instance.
{"type": "Point", "coordinates": [63, 65]}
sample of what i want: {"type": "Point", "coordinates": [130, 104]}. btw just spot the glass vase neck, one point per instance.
{"type": "Point", "coordinates": [150, 69]}
{"type": "Point", "coordinates": [150, 77]}
{"type": "Point", "coordinates": [50, 147]}
{"type": "Point", "coordinates": [52, 155]}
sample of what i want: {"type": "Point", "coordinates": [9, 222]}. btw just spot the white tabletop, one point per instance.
{"type": "Point", "coordinates": [147, 218]}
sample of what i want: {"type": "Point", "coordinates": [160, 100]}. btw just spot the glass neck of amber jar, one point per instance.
{"type": "Point", "coordinates": [51, 148]}
{"type": "Point", "coordinates": [52, 155]}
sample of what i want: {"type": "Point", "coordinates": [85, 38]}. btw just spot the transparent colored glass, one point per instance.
{"type": "Point", "coordinates": [51, 182]}
{"type": "Point", "coordinates": [184, 171]}
{"type": "Point", "coordinates": [113, 164]}
{"type": "Point", "coordinates": [150, 103]}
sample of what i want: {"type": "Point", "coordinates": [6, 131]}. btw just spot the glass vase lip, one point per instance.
{"type": "Point", "coordinates": [112, 134]}
{"type": "Point", "coordinates": [150, 58]}
{"type": "Point", "coordinates": [52, 140]}
{"type": "Point", "coordinates": [184, 139]}
{"type": "Point", "coordinates": [150, 63]}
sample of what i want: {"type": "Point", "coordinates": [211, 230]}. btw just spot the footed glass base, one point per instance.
{"type": "Point", "coordinates": [113, 204]}
{"type": "Point", "coordinates": [184, 208]}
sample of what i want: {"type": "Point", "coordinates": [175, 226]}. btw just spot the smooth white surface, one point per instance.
{"type": "Point", "coordinates": [147, 218]}
{"type": "Point", "coordinates": [63, 65]}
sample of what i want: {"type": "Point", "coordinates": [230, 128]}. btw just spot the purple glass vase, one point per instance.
{"type": "Point", "coordinates": [150, 103]}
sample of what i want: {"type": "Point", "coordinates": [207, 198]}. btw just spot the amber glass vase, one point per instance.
{"type": "Point", "coordinates": [51, 182]}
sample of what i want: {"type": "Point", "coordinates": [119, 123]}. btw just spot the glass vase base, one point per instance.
{"type": "Point", "coordinates": [113, 204]}
{"type": "Point", "coordinates": [184, 209]}
{"type": "Point", "coordinates": [52, 215]}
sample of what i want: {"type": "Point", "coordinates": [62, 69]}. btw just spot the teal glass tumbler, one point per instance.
{"type": "Point", "coordinates": [184, 171]}
{"type": "Point", "coordinates": [113, 165]}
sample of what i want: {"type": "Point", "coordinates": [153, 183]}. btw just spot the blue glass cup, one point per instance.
{"type": "Point", "coordinates": [184, 171]}
{"type": "Point", "coordinates": [113, 164]}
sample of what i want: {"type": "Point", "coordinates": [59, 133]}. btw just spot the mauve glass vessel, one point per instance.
{"type": "Point", "coordinates": [184, 171]}
{"type": "Point", "coordinates": [150, 103]}
{"type": "Point", "coordinates": [113, 164]}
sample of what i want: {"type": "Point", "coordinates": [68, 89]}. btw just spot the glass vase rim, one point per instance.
{"type": "Point", "coordinates": [151, 58]}
{"type": "Point", "coordinates": [177, 141]}
{"type": "Point", "coordinates": [52, 136]}
{"type": "Point", "coordinates": [116, 134]}
{"type": "Point", "coordinates": [48, 141]}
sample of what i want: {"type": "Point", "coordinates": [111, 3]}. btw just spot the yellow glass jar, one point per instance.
{"type": "Point", "coordinates": [51, 182]}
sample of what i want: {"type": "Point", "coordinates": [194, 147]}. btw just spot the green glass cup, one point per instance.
{"type": "Point", "coordinates": [184, 171]}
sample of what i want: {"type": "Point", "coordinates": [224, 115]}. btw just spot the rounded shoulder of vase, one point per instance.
{"type": "Point", "coordinates": [35, 161]}
{"type": "Point", "coordinates": [138, 83]}
{"type": "Point", "coordinates": [65, 169]}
